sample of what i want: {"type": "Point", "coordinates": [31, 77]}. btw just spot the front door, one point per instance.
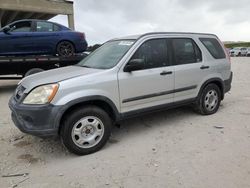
{"type": "Point", "coordinates": [18, 40]}
{"type": "Point", "coordinates": [151, 86]}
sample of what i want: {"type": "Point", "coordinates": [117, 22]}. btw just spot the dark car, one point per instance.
{"type": "Point", "coordinates": [39, 37]}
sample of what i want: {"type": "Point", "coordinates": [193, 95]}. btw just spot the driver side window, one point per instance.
{"type": "Point", "coordinates": [153, 53]}
{"type": "Point", "coordinates": [21, 27]}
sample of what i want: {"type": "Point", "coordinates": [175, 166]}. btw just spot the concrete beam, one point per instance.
{"type": "Point", "coordinates": [45, 16]}
{"type": "Point", "coordinates": [11, 18]}
{"type": "Point", "coordinates": [28, 15]}
{"type": "Point", "coordinates": [43, 6]}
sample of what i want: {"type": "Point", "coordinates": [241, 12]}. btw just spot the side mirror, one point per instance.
{"type": "Point", "coordinates": [6, 29]}
{"type": "Point", "coordinates": [134, 65]}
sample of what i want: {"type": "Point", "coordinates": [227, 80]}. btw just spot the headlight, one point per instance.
{"type": "Point", "coordinates": [42, 94]}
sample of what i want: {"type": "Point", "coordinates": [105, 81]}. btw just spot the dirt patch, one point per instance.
{"type": "Point", "coordinates": [28, 158]}
{"type": "Point", "coordinates": [22, 144]}
{"type": "Point", "coordinates": [113, 141]}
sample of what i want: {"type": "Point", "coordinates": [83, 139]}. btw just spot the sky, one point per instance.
{"type": "Point", "coordinates": [102, 20]}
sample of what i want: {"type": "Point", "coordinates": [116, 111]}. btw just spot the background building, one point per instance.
{"type": "Point", "coordinates": [12, 10]}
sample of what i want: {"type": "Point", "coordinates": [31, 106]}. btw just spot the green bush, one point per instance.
{"type": "Point", "coordinates": [240, 44]}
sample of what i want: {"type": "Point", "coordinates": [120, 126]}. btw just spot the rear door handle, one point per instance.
{"type": "Point", "coordinates": [166, 73]}
{"type": "Point", "coordinates": [204, 67]}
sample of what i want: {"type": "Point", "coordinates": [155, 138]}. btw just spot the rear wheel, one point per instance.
{"type": "Point", "coordinates": [65, 49]}
{"type": "Point", "coordinates": [86, 130]}
{"type": "Point", "coordinates": [209, 101]}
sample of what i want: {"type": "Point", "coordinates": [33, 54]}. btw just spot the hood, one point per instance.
{"type": "Point", "coordinates": [55, 75]}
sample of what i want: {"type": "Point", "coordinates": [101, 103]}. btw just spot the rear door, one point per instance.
{"type": "Point", "coordinates": [190, 69]}
{"type": "Point", "coordinates": [46, 36]}
{"type": "Point", "coordinates": [151, 86]}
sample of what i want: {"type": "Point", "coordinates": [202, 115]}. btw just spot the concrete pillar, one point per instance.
{"type": "Point", "coordinates": [71, 21]}
{"type": "Point", "coordinates": [1, 15]}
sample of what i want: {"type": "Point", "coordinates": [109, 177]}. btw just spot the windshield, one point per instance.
{"type": "Point", "coordinates": [108, 55]}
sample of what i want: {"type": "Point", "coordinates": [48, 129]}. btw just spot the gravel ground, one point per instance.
{"type": "Point", "coordinates": [175, 148]}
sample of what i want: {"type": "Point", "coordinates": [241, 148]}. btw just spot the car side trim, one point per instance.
{"type": "Point", "coordinates": [153, 109]}
{"type": "Point", "coordinates": [158, 94]}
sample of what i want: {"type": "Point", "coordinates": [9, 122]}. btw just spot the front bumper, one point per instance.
{"type": "Point", "coordinates": [37, 120]}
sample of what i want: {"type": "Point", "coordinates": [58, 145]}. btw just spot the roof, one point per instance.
{"type": "Point", "coordinates": [136, 37]}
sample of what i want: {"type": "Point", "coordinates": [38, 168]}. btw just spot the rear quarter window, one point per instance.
{"type": "Point", "coordinates": [214, 47]}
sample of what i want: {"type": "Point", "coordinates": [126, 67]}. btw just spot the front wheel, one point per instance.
{"type": "Point", "coordinates": [86, 130]}
{"type": "Point", "coordinates": [209, 100]}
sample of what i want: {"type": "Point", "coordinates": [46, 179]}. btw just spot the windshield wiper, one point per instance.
{"type": "Point", "coordinates": [85, 66]}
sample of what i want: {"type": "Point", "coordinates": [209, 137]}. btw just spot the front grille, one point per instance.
{"type": "Point", "coordinates": [19, 92]}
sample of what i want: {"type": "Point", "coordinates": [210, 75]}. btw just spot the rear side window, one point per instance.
{"type": "Point", "coordinates": [44, 27]}
{"type": "Point", "coordinates": [186, 51]}
{"type": "Point", "coordinates": [56, 27]}
{"type": "Point", "coordinates": [214, 47]}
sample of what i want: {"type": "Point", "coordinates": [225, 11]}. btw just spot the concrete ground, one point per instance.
{"type": "Point", "coordinates": [175, 148]}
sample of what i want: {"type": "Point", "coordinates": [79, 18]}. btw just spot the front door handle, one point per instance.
{"type": "Point", "coordinates": [166, 73]}
{"type": "Point", "coordinates": [204, 67]}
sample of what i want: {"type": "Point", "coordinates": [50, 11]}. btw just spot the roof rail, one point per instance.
{"type": "Point", "coordinates": [158, 33]}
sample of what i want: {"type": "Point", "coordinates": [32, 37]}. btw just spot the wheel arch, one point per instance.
{"type": "Point", "coordinates": [219, 82]}
{"type": "Point", "coordinates": [99, 101]}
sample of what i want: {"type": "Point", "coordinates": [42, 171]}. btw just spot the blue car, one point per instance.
{"type": "Point", "coordinates": [39, 37]}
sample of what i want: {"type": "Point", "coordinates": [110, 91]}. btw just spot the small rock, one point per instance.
{"type": "Point", "coordinates": [156, 165]}
{"type": "Point", "coordinates": [14, 185]}
{"type": "Point", "coordinates": [61, 174]}
{"type": "Point", "coordinates": [16, 138]}
{"type": "Point", "coordinates": [218, 127]}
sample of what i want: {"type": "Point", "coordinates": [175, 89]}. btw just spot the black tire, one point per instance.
{"type": "Point", "coordinates": [65, 49]}
{"type": "Point", "coordinates": [70, 124]}
{"type": "Point", "coordinates": [201, 105]}
{"type": "Point", "coordinates": [33, 71]}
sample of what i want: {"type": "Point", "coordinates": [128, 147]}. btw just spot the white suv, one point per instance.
{"type": "Point", "coordinates": [238, 51]}
{"type": "Point", "coordinates": [125, 77]}
{"type": "Point", "coordinates": [248, 52]}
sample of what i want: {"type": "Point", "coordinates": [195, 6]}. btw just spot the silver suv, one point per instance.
{"type": "Point", "coordinates": [125, 77]}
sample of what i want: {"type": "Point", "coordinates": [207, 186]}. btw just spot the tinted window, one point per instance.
{"type": "Point", "coordinates": [21, 27]}
{"type": "Point", "coordinates": [154, 53]}
{"type": "Point", "coordinates": [214, 47]}
{"type": "Point", "coordinates": [56, 27]}
{"type": "Point", "coordinates": [186, 51]}
{"type": "Point", "coordinates": [44, 27]}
